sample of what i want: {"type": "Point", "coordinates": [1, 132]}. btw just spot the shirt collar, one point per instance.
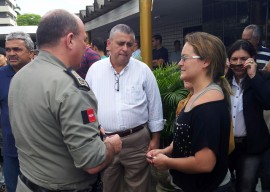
{"type": "Point", "coordinates": [235, 83]}
{"type": "Point", "coordinates": [44, 55]}
{"type": "Point", "coordinates": [123, 70]}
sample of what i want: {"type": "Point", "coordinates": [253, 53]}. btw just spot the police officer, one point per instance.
{"type": "Point", "coordinates": [53, 113]}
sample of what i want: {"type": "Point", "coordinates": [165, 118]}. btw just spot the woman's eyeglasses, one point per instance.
{"type": "Point", "coordinates": [184, 57]}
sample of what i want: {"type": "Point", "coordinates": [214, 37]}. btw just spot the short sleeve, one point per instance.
{"type": "Point", "coordinates": [81, 137]}
{"type": "Point", "coordinates": [206, 128]}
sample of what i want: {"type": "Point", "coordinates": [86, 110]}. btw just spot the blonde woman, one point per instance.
{"type": "Point", "coordinates": [198, 153]}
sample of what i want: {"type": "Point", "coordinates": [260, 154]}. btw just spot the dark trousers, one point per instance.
{"type": "Point", "coordinates": [246, 168]}
{"type": "Point", "coordinates": [265, 171]}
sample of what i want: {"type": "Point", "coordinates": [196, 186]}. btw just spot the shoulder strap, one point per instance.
{"type": "Point", "coordinates": [212, 86]}
{"type": "Point", "coordinates": [80, 82]}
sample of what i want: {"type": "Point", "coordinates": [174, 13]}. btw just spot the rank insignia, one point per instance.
{"type": "Point", "coordinates": [80, 82]}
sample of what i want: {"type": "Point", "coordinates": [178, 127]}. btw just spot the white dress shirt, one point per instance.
{"type": "Point", "coordinates": [137, 101]}
{"type": "Point", "coordinates": [237, 110]}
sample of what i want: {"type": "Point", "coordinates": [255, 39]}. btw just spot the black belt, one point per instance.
{"type": "Point", "coordinates": [128, 131]}
{"type": "Point", "coordinates": [36, 188]}
{"type": "Point", "coordinates": [239, 140]}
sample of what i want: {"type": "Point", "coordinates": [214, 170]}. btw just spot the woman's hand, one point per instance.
{"type": "Point", "coordinates": [152, 154]}
{"type": "Point", "coordinates": [159, 161]}
{"type": "Point", "coordinates": [251, 67]}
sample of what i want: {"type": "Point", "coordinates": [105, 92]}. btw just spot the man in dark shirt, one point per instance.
{"type": "Point", "coordinates": [89, 57]}
{"type": "Point", "coordinates": [160, 53]}
{"type": "Point", "coordinates": [19, 51]}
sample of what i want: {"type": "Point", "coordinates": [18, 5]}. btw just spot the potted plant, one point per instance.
{"type": "Point", "coordinates": [172, 91]}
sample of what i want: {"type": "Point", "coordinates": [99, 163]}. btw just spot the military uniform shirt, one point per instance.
{"type": "Point", "coordinates": [53, 142]}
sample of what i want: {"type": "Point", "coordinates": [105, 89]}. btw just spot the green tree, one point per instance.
{"type": "Point", "coordinates": [28, 19]}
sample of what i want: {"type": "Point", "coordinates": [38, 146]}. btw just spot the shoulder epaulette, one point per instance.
{"type": "Point", "coordinates": [80, 82]}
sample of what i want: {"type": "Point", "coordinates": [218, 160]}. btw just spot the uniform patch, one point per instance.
{"type": "Point", "coordinates": [80, 82]}
{"type": "Point", "coordinates": [88, 116]}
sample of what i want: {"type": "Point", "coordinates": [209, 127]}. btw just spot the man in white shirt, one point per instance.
{"type": "Point", "coordinates": [129, 104]}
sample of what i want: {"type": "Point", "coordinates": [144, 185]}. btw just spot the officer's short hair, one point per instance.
{"type": "Point", "coordinates": [54, 25]}
{"type": "Point", "coordinates": [29, 44]}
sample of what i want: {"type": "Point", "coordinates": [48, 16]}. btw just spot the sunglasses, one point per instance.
{"type": "Point", "coordinates": [233, 66]}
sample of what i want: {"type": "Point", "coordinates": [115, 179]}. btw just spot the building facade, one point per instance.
{"type": "Point", "coordinates": [8, 14]}
{"type": "Point", "coordinates": [173, 19]}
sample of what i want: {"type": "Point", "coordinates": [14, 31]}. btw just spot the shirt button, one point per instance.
{"type": "Point", "coordinates": [233, 116]}
{"type": "Point", "coordinates": [234, 106]}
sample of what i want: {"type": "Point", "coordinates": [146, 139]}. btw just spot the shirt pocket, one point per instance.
{"type": "Point", "coordinates": [134, 95]}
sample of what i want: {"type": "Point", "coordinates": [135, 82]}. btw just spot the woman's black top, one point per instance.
{"type": "Point", "coordinates": [206, 125]}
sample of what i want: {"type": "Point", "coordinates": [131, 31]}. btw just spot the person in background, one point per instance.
{"type": "Point", "coordinates": [53, 113]}
{"type": "Point", "coordinates": [160, 53]}
{"type": "Point", "coordinates": [137, 48]}
{"type": "Point", "coordinates": [129, 104]}
{"type": "Point", "coordinates": [265, 165]}
{"type": "Point", "coordinates": [98, 46]}
{"type": "Point", "coordinates": [267, 66]}
{"type": "Point", "coordinates": [252, 33]}
{"type": "Point", "coordinates": [3, 62]}
{"type": "Point", "coordinates": [3, 59]}
{"type": "Point", "coordinates": [198, 161]}
{"type": "Point", "coordinates": [89, 57]}
{"type": "Point", "coordinates": [176, 54]}
{"type": "Point", "coordinates": [19, 52]}
{"type": "Point", "coordinates": [251, 95]}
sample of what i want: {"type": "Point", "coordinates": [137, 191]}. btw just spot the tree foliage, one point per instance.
{"type": "Point", "coordinates": [28, 19]}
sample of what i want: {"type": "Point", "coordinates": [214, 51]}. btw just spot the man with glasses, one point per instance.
{"type": "Point", "coordinates": [19, 52]}
{"type": "Point", "coordinates": [129, 104]}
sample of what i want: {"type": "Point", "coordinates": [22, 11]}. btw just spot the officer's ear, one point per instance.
{"type": "Point", "coordinates": [69, 40]}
